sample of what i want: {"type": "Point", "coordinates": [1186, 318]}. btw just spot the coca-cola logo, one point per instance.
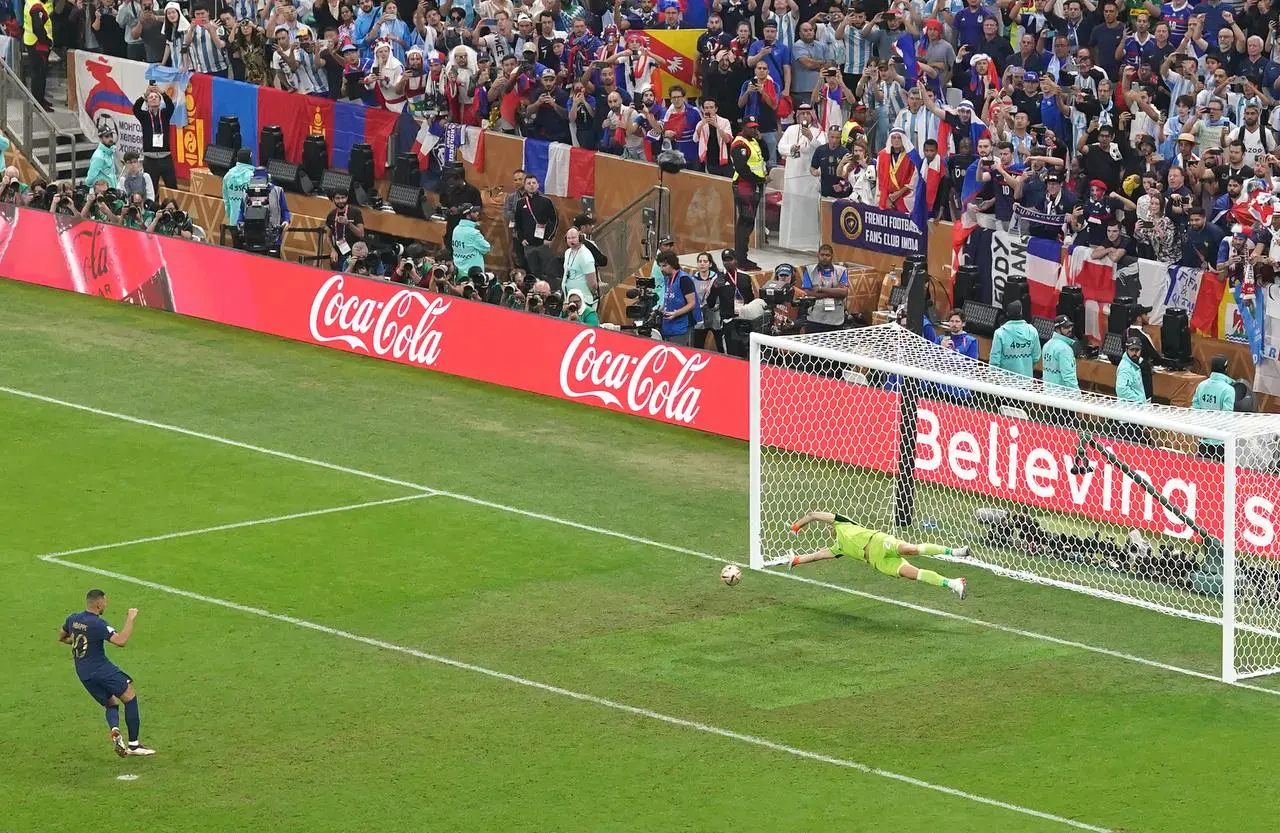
{"type": "Point", "coordinates": [657, 383]}
{"type": "Point", "coordinates": [402, 327]}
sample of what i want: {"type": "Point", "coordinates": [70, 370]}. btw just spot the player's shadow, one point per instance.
{"type": "Point", "coordinates": [871, 622]}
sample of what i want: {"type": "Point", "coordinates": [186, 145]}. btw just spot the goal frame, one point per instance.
{"type": "Point", "coordinates": [1029, 392]}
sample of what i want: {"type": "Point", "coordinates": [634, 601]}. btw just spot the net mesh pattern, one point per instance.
{"type": "Point", "coordinates": [1043, 484]}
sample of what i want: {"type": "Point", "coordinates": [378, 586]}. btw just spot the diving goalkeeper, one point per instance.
{"type": "Point", "coordinates": [880, 550]}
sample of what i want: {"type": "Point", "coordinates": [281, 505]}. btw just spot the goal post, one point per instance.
{"type": "Point", "coordinates": [1169, 509]}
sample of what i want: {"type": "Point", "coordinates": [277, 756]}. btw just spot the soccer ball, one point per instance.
{"type": "Point", "coordinates": [731, 575]}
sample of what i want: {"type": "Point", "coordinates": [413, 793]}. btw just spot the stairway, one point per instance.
{"type": "Point", "coordinates": [53, 142]}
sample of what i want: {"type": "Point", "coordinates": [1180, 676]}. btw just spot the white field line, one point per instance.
{"type": "Point", "coordinates": [284, 455]}
{"type": "Point", "coordinates": [945, 614]}
{"type": "Point", "coordinates": [752, 740]}
{"type": "Point", "coordinates": [238, 525]}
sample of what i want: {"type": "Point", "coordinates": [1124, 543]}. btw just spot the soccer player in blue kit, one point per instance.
{"type": "Point", "coordinates": [87, 633]}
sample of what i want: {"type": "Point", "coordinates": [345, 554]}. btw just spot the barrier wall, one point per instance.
{"type": "Point", "coordinates": [641, 377]}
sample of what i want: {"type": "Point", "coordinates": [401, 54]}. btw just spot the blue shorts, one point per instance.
{"type": "Point", "coordinates": [102, 687]}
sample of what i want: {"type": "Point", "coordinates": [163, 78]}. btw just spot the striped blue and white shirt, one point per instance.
{"type": "Point", "coordinates": [206, 57]}
{"type": "Point", "coordinates": [1178, 87]}
{"type": "Point", "coordinates": [856, 50]}
{"type": "Point", "coordinates": [918, 126]}
{"type": "Point", "coordinates": [311, 78]}
{"type": "Point", "coordinates": [245, 9]}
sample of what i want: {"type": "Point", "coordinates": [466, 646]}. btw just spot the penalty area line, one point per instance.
{"type": "Point", "coordinates": [460, 665]}
{"type": "Point", "coordinates": [635, 539]}
{"type": "Point", "coordinates": [189, 533]}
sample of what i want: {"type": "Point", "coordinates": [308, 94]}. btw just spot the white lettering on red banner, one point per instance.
{"type": "Point", "coordinates": [659, 382]}
{"type": "Point", "coordinates": [401, 327]}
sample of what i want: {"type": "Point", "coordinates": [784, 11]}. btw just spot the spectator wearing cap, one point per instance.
{"type": "Point", "coordinates": [207, 49]}
{"type": "Point", "coordinates": [1216, 393]}
{"type": "Point", "coordinates": [301, 65]}
{"type": "Point", "coordinates": [774, 55]}
{"type": "Point", "coordinates": [1129, 387]}
{"type": "Point", "coordinates": [1015, 347]}
{"type": "Point", "coordinates": [586, 226]}
{"type": "Point", "coordinates": [723, 81]}
{"type": "Point", "coordinates": [666, 244]}
{"type": "Point", "coordinates": [939, 59]}
{"type": "Point", "coordinates": [1055, 200]}
{"type": "Point", "coordinates": [547, 113]}
{"type": "Point", "coordinates": [468, 243]}
{"type": "Point", "coordinates": [680, 310]}
{"type": "Point", "coordinates": [1058, 359]}
{"type": "Point", "coordinates": [102, 165]}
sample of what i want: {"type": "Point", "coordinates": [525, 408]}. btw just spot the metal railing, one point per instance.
{"type": "Point", "coordinates": [16, 98]}
{"type": "Point", "coordinates": [630, 237]}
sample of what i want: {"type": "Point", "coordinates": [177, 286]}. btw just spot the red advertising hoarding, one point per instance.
{"type": "Point", "coordinates": [963, 448]}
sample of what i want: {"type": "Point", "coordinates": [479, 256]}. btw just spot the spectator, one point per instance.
{"type": "Point", "coordinates": [580, 276]}
{"type": "Point", "coordinates": [1015, 347]}
{"type": "Point", "coordinates": [12, 189]}
{"type": "Point", "coordinates": [1129, 386]}
{"type": "Point", "coordinates": [174, 29]}
{"type": "Point", "coordinates": [249, 44]}
{"type": "Point", "coordinates": [129, 20]}
{"type": "Point", "coordinates": [1058, 360]}
{"type": "Point", "coordinates": [1216, 393]}
{"type": "Point", "coordinates": [1200, 249]}
{"type": "Point", "coordinates": [713, 135]}
{"type": "Point", "coordinates": [154, 112]}
{"type": "Point", "coordinates": [704, 280]}
{"type": "Point", "coordinates": [106, 29]}
{"type": "Point", "coordinates": [758, 100]}
{"type": "Point", "coordinates": [809, 57]}
{"type": "Point", "coordinates": [344, 225]}
{"type": "Point", "coordinates": [679, 123]}
{"type": "Point", "coordinates": [680, 310]}
{"type": "Point", "coordinates": [102, 165]}
{"type": "Point", "coordinates": [467, 242]}
{"type": "Point", "coordinates": [586, 226]}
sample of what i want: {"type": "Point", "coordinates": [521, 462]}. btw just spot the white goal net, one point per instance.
{"type": "Point", "coordinates": [1170, 509]}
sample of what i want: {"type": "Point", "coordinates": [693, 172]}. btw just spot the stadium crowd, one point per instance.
{"type": "Point", "coordinates": [1139, 129]}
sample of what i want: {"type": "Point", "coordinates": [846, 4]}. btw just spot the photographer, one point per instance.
{"type": "Point", "coordinates": [344, 225]}
{"type": "Point", "coordinates": [276, 216]}
{"type": "Point", "coordinates": [102, 204]}
{"type": "Point", "coordinates": [135, 215]}
{"type": "Point", "coordinates": [154, 110]}
{"type": "Point", "coordinates": [680, 311]}
{"type": "Point", "coordinates": [413, 268]}
{"type": "Point", "coordinates": [535, 299]}
{"type": "Point", "coordinates": [362, 262]}
{"type": "Point", "coordinates": [171, 220]}
{"type": "Point", "coordinates": [12, 189]}
{"type": "Point", "coordinates": [63, 200]}
{"type": "Point", "coordinates": [536, 221]}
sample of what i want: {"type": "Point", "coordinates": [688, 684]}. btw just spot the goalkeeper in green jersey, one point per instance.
{"type": "Point", "coordinates": [880, 550]}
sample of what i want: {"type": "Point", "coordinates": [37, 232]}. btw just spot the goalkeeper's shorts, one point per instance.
{"type": "Point", "coordinates": [882, 553]}
{"type": "Point", "coordinates": [878, 549]}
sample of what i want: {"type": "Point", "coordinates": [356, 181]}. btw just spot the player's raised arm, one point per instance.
{"type": "Point", "coordinates": [121, 637]}
{"type": "Point", "coordinates": [825, 517]}
{"type": "Point", "coordinates": [63, 636]}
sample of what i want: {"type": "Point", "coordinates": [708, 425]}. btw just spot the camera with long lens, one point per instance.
{"type": "Point", "coordinates": [645, 314]}
{"type": "Point", "coordinates": [554, 305]}
{"type": "Point", "coordinates": [256, 234]}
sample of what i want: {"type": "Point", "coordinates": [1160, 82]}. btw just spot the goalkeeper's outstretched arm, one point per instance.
{"type": "Point", "coordinates": [824, 517]}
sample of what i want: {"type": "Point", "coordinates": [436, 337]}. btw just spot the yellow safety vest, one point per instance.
{"type": "Point", "coordinates": [755, 161]}
{"type": "Point", "coordinates": [28, 28]}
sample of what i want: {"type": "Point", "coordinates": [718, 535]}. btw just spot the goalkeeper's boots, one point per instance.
{"type": "Point", "coordinates": [960, 552]}
{"type": "Point", "coordinates": [959, 586]}
{"type": "Point", "coordinates": [791, 560]}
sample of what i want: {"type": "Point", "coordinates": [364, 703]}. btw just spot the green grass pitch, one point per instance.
{"type": "Point", "coordinates": [640, 693]}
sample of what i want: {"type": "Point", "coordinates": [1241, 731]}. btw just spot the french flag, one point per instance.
{"type": "Point", "coordinates": [928, 179]}
{"type": "Point", "coordinates": [429, 136]}
{"type": "Point", "coordinates": [962, 228]}
{"type": "Point", "coordinates": [907, 49]}
{"type": "Point", "coordinates": [829, 111]}
{"type": "Point", "coordinates": [947, 134]}
{"type": "Point", "coordinates": [564, 171]}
